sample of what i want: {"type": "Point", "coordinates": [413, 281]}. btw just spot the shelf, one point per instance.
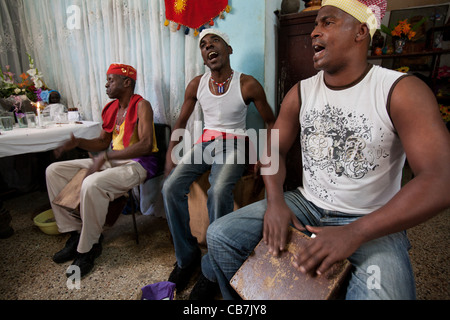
{"type": "Point", "coordinates": [410, 55]}
{"type": "Point", "coordinates": [443, 99]}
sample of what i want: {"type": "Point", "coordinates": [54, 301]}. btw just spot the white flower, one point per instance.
{"type": "Point", "coordinates": [38, 84]}
{"type": "Point", "coordinates": [36, 77]}
{"type": "Point", "coordinates": [32, 72]}
{"type": "Point", "coordinates": [17, 91]}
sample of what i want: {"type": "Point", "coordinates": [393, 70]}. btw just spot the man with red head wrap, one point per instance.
{"type": "Point", "coordinates": [125, 158]}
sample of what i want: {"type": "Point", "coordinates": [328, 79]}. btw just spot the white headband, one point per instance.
{"type": "Point", "coordinates": [217, 32]}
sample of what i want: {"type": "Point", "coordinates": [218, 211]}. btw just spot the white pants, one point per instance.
{"type": "Point", "coordinates": [97, 190]}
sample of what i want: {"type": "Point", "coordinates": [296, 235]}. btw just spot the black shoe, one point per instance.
{"type": "Point", "coordinates": [180, 276]}
{"type": "Point", "coordinates": [204, 289]}
{"type": "Point", "coordinates": [85, 261]}
{"type": "Point", "coordinates": [69, 251]}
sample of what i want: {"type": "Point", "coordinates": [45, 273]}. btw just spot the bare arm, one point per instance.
{"type": "Point", "coordinates": [94, 145]}
{"type": "Point", "coordinates": [426, 141]}
{"type": "Point", "coordinates": [252, 91]}
{"type": "Point", "coordinates": [278, 216]}
{"type": "Point", "coordinates": [141, 148]}
{"type": "Point", "coordinates": [190, 99]}
{"type": "Point", "coordinates": [145, 133]}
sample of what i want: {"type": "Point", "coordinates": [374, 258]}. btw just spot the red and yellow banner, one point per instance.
{"type": "Point", "coordinates": [194, 13]}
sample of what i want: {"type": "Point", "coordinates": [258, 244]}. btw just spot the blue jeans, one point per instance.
{"type": "Point", "coordinates": [232, 238]}
{"type": "Point", "coordinates": [222, 179]}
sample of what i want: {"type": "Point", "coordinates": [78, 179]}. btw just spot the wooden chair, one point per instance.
{"type": "Point", "coordinates": [69, 197]}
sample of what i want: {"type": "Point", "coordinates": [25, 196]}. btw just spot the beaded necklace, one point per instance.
{"type": "Point", "coordinates": [221, 86]}
{"type": "Point", "coordinates": [118, 123]}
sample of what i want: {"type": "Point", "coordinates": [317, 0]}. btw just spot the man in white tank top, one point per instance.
{"type": "Point", "coordinates": [223, 95]}
{"type": "Point", "coordinates": [357, 123]}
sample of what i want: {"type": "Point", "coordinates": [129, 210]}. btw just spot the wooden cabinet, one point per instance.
{"type": "Point", "coordinates": [295, 53]}
{"type": "Point", "coordinates": [295, 63]}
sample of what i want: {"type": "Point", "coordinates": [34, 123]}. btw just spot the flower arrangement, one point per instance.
{"type": "Point", "coordinates": [30, 86]}
{"type": "Point", "coordinates": [445, 112]}
{"type": "Point", "coordinates": [403, 29]}
{"type": "Point", "coordinates": [404, 69]}
{"type": "Point", "coordinates": [443, 72]}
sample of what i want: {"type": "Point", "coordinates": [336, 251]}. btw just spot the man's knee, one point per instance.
{"type": "Point", "coordinates": [219, 231]}
{"type": "Point", "coordinates": [383, 270]}
{"type": "Point", "coordinates": [89, 184]}
{"type": "Point", "coordinates": [169, 188]}
{"type": "Point", "coordinates": [51, 169]}
{"type": "Point", "coordinates": [213, 233]}
{"type": "Point", "coordinates": [176, 185]}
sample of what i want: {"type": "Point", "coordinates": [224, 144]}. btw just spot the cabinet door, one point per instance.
{"type": "Point", "coordinates": [295, 64]}
{"type": "Point", "coordinates": [295, 50]}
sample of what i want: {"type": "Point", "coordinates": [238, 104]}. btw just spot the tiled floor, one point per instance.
{"type": "Point", "coordinates": [28, 272]}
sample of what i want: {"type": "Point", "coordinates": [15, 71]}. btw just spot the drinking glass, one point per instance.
{"type": "Point", "coordinates": [7, 122]}
{"type": "Point", "coordinates": [31, 118]}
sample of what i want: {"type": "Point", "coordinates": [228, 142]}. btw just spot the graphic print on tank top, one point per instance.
{"type": "Point", "coordinates": [338, 143]}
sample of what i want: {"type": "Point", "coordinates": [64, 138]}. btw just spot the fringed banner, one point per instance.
{"type": "Point", "coordinates": [194, 14]}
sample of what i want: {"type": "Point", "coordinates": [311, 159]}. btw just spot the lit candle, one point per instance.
{"type": "Point", "coordinates": [39, 114]}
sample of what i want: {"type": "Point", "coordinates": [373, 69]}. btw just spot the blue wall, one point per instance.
{"type": "Point", "coordinates": [246, 28]}
{"type": "Point", "coordinates": [245, 25]}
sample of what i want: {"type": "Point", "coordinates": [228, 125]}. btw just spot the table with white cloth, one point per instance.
{"type": "Point", "coordinates": [31, 140]}
{"type": "Point", "coordinates": [26, 152]}
{"type": "Point", "coordinates": [22, 148]}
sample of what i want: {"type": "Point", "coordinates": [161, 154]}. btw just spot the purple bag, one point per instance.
{"type": "Point", "coordinates": [158, 291]}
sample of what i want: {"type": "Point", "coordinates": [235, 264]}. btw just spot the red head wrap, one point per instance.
{"type": "Point", "coordinates": [123, 70]}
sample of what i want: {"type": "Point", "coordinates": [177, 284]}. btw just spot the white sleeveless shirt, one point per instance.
{"type": "Point", "coordinates": [352, 156]}
{"type": "Point", "coordinates": [227, 112]}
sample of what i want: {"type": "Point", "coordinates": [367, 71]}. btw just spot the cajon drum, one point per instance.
{"type": "Point", "coordinates": [69, 199]}
{"type": "Point", "coordinates": [246, 191]}
{"type": "Point", "coordinates": [265, 277]}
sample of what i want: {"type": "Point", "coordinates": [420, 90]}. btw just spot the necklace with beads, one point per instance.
{"type": "Point", "coordinates": [118, 123]}
{"type": "Point", "coordinates": [221, 85]}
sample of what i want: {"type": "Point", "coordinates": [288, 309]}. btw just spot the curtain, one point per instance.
{"type": "Point", "coordinates": [73, 42]}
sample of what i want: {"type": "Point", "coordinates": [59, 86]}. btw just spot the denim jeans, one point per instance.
{"type": "Point", "coordinates": [232, 238]}
{"type": "Point", "coordinates": [226, 171]}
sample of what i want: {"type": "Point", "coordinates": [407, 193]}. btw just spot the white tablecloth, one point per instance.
{"type": "Point", "coordinates": [30, 140]}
